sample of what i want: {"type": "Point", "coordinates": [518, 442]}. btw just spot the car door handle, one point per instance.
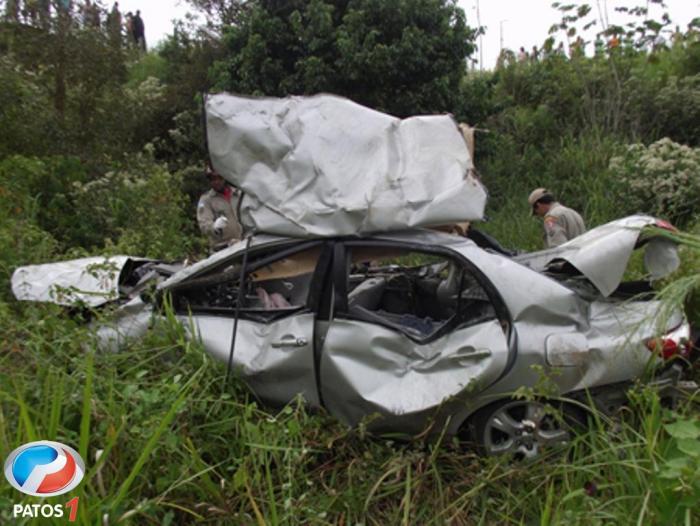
{"type": "Point", "coordinates": [290, 341]}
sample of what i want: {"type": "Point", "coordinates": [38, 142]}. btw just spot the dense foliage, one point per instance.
{"type": "Point", "coordinates": [101, 151]}
{"type": "Point", "coordinates": [663, 178]}
{"type": "Point", "coordinates": [401, 57]}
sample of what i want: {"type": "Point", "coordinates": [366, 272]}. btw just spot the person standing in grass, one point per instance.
{"type": "Point", "coordinates": [560, 222]}
{"type": "Point", "coordinates": [216, 212]}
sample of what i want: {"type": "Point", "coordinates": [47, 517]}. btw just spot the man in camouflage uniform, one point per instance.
{"type": "Point", "coordinates": [560, 223]}
{"type": "Point", "coordinates": [216, 212]}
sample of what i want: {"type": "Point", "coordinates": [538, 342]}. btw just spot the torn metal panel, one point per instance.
{"type": "Point", "coordinates": [91, 281]}
{"type": "Point", "coordinates": [602, 254]}
{"type": "Point", "coordinates": [128, 324]}
{"type": "Point", "coordinates": [661, 257]}
{"type": "Point", "coordinates": [324, 165]}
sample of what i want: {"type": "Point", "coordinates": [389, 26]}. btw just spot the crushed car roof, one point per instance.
{"type": "Point", "coordinates": [326, 166]}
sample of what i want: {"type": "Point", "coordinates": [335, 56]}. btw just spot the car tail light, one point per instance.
{"type": "Point", "coordinates": [667, 348]}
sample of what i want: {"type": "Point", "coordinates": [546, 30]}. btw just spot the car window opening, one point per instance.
{"type": "Point", "coordinates": [270, 287]}
{"type": "Point", "coordinates": [418, 293]}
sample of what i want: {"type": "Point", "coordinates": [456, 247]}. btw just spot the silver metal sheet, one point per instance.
{"type": "Point", "coordinates": [128, 324]}
{"type": "Point", "coordinates": [277, 374]}
{"type": "Point", "coordinates": [324, 165]}
{"type": "Point", "coordinates": [661, 257]}
{"type": "Point", "coordinates": [91, 281]}
{"type": "Point", "coordinates": [367, 368]}
{"type": "Point", "coordinates": [602, 254]}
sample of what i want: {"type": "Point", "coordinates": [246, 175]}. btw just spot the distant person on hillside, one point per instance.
{"type": "Point", "coordinates": [548, 48]}
{"type": "Point", "coordinates": [91, 15]}
{"type": "Point", "coordinates": [216, 212]}
{"type": "Point", "coordinates": [534, 54]}
{"type": "Point", "coordinates": [599, 47]}
{"type": "Point", "coordinates": [560, 223]}
{"type": "Point", "coordinates": [677, 37]}
{"type": "Point", "coordinates": [139, 31]}
{"type": "Point", "coordinates": [44, 8]}
{"type": "Point", "coordinates": [114, 24]}
{"type": "Point", "coordinates": [12, 10]}
{"type": "Point", "coordinates": [129, 18]}
{"type": "Point", "coordinates": [522, 55]}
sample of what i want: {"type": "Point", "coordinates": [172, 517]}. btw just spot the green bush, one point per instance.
{"type": "Point", "coordinates": [662, 179]}
{"type": "Point", "coordinates": [140, 214]}
{"type": "Point", "coordinates": [22, 239]}
{"type": "Point", "coordinates": [24, 110]}
{"type": "Point", "coordinates": [53, 205]}
{"type": "Point", "coordinates": [677, 106]}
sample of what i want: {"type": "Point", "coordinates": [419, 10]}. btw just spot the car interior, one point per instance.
{"type": "Point", "coordinates": [420, 294]}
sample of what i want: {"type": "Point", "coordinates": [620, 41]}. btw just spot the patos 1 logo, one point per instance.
{"type": "Point", "coordinates": [44, 469]}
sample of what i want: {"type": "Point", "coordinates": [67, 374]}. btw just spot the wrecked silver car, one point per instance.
{"type": "Point", "coordinates": [419, 329]}
{"type": "Point", "coordinates": [341, 295]}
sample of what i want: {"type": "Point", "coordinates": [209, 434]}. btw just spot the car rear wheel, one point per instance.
{"type": "Point", "coordinates": [523, 428]}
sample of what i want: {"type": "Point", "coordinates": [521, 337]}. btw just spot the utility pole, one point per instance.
{"type": "Point", "coordinates": [481, 37]}
{"type": "Point", "coordinates": [501, 34]}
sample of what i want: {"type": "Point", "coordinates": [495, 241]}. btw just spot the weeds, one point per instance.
{"type": "Point", "coordinates": [164, 445]}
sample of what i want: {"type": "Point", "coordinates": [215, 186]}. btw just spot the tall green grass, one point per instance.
{"type": "Point", "coordinates": [574, 169]}
{"type": "Point", "coordinates": [164, 445]}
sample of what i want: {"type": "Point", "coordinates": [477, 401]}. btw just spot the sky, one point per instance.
{"type": "Point", "coordinates": [526, 23]}
{"type": "Point", "coordinates": [157, 15]}
{"type": "Point", "coordinates": [513, 23]}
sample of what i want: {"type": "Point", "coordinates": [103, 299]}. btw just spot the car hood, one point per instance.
{"type": "Point", "coordinates": [603, 253]}
{"type": "Point", "coordinates": [91, 281]}
{"type": "Point", "coordinates": [324, 166]}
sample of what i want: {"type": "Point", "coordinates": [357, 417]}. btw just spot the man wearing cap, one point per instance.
{"type": "Point", "coordinates": [216, 212]}
{"type": "Point", "coordinates": [560, 222]}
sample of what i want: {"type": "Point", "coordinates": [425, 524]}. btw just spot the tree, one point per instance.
{"type": "Point", "coordinates": [220, 13]}
{"type": "Point", "coordinates": [69, 58]}
{"type": "Point", "coordinates": [404, 57]}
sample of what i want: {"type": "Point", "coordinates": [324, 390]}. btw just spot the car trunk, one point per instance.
{"type": "Point", "coordinates": [596, 263]}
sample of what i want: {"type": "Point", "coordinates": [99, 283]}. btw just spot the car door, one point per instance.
{"type": "Point", "coordinates": [412, 328]}
{"type": "Point", "coordinates": [274, 336]}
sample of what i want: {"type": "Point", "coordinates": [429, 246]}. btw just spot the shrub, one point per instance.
{"type": "Point", "coordinates": [54, 205]}
{"type": "Point", "coordinates": [139, 214]}
{"type": "Point", "coordinates": [22, 239]}
{"type": "Point", "coordinates": [662, 179]}
{"type": "Point", "coordinates": [678, 108]}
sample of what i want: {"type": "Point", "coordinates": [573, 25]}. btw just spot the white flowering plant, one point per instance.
{"type": "Point", "coordinates": [662, 179]}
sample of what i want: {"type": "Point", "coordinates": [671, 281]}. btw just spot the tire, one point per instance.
{"type": "Point", "coordinates": [523, 428]}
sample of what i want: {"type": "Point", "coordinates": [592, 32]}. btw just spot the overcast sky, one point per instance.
{"type": "Point", "coordinates": [524, 22]}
